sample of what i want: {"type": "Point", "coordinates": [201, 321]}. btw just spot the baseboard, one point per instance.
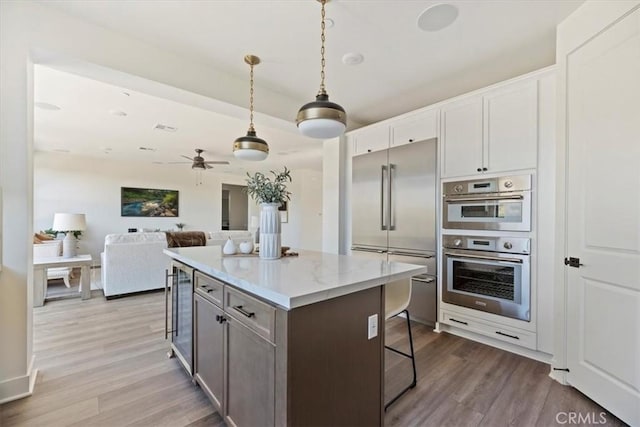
{"type": "Point", "coordinates": [19, 387]}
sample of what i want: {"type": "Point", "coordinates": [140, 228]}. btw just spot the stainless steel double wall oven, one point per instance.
{"type": "Point", "coordinates": [490, 272]}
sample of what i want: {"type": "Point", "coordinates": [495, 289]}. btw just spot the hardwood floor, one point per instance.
{"type": "Point", "coordinates": [105, 364]}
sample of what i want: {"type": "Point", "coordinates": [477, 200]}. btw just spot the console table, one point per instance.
{"type": "Point", "coordinates": [40, 266]}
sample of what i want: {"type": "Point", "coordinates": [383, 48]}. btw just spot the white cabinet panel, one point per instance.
{"type": "Point", "coordinates": [371, 139]}
{"type": "Point", "coordinates": [462, 138]}
{"type": "Point", "coordinates": [415, 128]}
{"type": "Point", "coordinates": [511, 131]}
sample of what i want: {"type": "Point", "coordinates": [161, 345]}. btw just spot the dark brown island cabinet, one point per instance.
{"type": "Point", "coordinates": [261, 365]}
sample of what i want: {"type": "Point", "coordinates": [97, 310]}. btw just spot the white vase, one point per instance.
{"type": "Point", "coordinates": [229, 248]}
{"type": "Point", "coordinates": [269, 231]}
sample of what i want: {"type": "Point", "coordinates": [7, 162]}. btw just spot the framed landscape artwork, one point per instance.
{"type": "Point", "coordinates": [148, 202]}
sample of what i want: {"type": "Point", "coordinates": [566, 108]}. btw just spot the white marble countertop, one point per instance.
{"type": "Point", "coordinates": [292, 282]}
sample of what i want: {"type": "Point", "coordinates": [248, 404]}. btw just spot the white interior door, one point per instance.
{"type": "Point", "coordinates": [603, 218]}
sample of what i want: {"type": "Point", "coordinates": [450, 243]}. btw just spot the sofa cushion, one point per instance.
{"type": "Point", "coordinates": [112, 239]}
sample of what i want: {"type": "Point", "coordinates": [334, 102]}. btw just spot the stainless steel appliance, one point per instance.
{"type": "Point", "coordinates": [394, 214]}
{"type": "Point", "coordinates": [491, 274]}
{"type": "Point", "coordinates": [502, 203]}
{"type": "Point", "coordinates": [181, 314]}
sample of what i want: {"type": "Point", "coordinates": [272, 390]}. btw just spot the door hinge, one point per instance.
{"type": "Point", "coordinates": [572, 262]}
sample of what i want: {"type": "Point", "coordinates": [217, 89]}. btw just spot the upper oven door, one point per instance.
{"type": "Point", "coordinates": [507, 212]}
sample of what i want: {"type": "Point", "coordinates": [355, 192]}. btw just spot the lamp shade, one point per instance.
{"type": "Point", "coordinates": [69, 222]}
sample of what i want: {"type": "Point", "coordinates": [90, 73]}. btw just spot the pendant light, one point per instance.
{"type": "Point", "coordinates": [322, 118]}
{"type": "Point", "coordinates": [250, 147]}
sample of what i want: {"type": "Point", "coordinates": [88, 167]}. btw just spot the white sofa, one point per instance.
{"type": "Point", "coordinates": [133, 262]}
{"type": "Point", "coordinates": [220, 237]}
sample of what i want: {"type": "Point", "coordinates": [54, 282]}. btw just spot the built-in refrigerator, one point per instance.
{"type": "Point", "coordinates": [394, 214]}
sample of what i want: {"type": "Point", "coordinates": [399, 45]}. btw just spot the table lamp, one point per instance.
{"type": "Point", "coordinates": [68, 223]}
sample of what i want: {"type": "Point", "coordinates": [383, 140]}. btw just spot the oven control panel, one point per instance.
{"type": "Point", "coordinates": [512, 245]}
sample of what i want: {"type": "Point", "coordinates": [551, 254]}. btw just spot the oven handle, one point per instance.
{"type": "Point", "coordinates": [487, 257]}
{"type": "Point", "coordinates": [482, 199]}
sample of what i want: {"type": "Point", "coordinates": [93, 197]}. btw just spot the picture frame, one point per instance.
{"type": "Point", "coordinates": [149, 202]}
{"type": "Point", "coordinates": [284, 212]}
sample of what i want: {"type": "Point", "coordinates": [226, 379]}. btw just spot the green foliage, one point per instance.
{"type": "Point", "coordinates": [54, 233]}
{"type": "Point", "coordinates": [263, 190]}
{"type": "Point", "coordinates": [170, 199]}
{"type": "Point", "coordinates": [180, 225]}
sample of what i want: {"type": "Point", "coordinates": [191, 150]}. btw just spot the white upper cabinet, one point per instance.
{"type": "Point", "coordinates": [492, 132]}
{"type": "Point", "coordinates": [462, 137]}
{"type": "Point", "coordinates": [415, 128]}
{"type": "Point", "coordinates": [370, 139]}
{"type": "Point", "coordinates": [511, 128]}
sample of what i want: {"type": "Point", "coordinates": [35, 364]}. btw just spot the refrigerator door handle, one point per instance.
{"type": "Point", "coordinates": [357, 248]}
{"type": "Point", "coordinates": [392, 219]}
{"type": "Point", "coordinates": [410, 254]}
{"type": "Point", "coordinates": [383, 224]}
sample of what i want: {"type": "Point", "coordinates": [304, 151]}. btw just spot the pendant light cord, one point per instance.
{"type": "Point", "coordinates": [251, 128]}
{"type": "Point", "coordinates": [322, 90]}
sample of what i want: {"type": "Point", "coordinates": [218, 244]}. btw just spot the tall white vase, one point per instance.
{"type": "Point", "coordinates": [269, 231]}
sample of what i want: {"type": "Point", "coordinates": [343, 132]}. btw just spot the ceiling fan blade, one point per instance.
{"type": "Point", "coordinates": [187, 158]}
{"type": "Point", "coordinates": [177, 163]}
{"type": "Point", "coordinates": [216, 162]}
{"type": "Point", "coordinates": [207, 166]}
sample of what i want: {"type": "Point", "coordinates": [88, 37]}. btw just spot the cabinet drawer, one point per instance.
{"type": "Point", "coordinates": [210, 287]}
{"type": "Point", "coordinates": [255, 314]}
{"type": "Point", "coordinates": [513, 336]}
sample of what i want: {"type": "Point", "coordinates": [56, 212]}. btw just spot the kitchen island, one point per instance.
{"type": "Point", "coordinates": [288, 341]}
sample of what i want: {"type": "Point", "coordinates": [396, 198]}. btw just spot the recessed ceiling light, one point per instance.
{"type": "Point", "coordinates": [352, 58]}
{"type": "Point", "coordinates": [437, 17]}
{"type": "Point", "coordinates": [47, 106]}
{"type": "Point", "coordinates": [117, 113]}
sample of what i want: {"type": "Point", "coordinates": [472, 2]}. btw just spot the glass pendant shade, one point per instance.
{"type": "Point", "coordinates": [250, 147]}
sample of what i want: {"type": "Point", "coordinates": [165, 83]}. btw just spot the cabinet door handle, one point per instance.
{"type": "Point", "coordinates": [485, 169]}
{"type": "Point", "coordinates": [458, 321]}
{"type": "Point", "coordinates": [479, 169]}
{"type": "Point", "coordinates": [243, 311]}
{"type": "Point", "coordinates": [515, 337]}
{"type": "Point", "coordinates": [220, 319]}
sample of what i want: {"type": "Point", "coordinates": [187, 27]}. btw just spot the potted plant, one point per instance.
{"type": "Point", "coordinates": [270, 193]}
{"type": "Point", "coordinates": [180, 225]}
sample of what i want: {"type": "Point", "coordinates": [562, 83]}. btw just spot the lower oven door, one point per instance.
{"type": "Point", "coordinates": [487, 281]}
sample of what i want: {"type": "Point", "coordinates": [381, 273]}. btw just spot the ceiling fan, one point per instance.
{"type": "Point", "coordinates": [200, 163]}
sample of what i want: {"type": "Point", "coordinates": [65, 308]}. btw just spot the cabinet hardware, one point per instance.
{"type": "Point", "coordinates": [410, 139]}
{"type": "Point", "coordinates": [573, 262]}
{"type": "Point", "coordinates": [515, 337]}
{"type": "Point", "coordinates": [561, 369]}
{"type": "Point", "coordinates": [220, 319]}
{"type": "Point", "coordinates": [458, 321]}
{"type": "Point", "coordinates": [166, 302]}
{"type": "Point", "coordinates": [479, 169]}
{"type": "Point", "coordinates": [243, 311]}
{"type": "Point", "coordinates": [485, 169]}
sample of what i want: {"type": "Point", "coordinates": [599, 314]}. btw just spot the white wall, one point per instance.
{"type": "Point", "coordinates": [66, 183]}
{"type": "Point", "coordinates": [30, 33]}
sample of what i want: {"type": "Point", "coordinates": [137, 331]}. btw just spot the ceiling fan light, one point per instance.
{"type": "Point", "coordinates": [322, 118]}
{"type": "Point", "coordinates": [250, 147]}
{"type": "Point", "coordinates": [198, 166]}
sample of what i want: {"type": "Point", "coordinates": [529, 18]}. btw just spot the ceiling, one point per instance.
{"type": "Point", "coordinates": [404, 67]}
